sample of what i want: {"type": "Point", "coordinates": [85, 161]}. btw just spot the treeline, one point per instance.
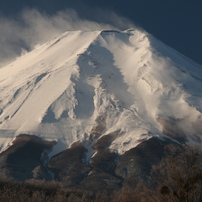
{"type": "Point", "coordinates": [177, 178]}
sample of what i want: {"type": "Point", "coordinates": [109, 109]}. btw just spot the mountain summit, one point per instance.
{"type": "Point", "coordinates": [84, 86]}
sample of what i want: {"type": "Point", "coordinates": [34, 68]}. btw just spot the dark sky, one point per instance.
{"type": "Point", "coordinates": [178, 23]}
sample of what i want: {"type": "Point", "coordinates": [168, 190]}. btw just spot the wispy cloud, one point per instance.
{"type": "Point", "coordinates": [33, 27]}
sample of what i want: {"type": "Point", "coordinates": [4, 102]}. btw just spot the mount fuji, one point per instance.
{"type": "Point", "coordinates": [121, 87]}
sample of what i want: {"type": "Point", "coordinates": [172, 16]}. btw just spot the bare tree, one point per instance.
{"type": "Point", "coordinates": [178, 177]}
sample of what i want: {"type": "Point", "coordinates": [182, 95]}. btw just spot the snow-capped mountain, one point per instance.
{"type": "Point", "coordinates": [84, 85]}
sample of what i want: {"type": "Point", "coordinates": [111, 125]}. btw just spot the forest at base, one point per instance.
{"type": "Point", "coordinates": [178, 177]}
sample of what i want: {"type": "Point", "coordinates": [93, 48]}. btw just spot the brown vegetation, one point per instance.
{"type": "Point", "coordinates": [177, 178]}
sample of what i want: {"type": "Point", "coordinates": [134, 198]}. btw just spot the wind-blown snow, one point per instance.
{"type": "Point", "coordinates": [128, 78]}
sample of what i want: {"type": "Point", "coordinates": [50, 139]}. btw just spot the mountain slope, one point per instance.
{"type": "Point", "coordinates": [83, 86]}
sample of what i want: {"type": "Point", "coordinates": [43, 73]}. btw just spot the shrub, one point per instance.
{"type": "Point", "coordinates": [178, 177]}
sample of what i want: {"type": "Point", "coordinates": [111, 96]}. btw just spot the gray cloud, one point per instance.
{"type": "Point", "coordinates": [33, 27]}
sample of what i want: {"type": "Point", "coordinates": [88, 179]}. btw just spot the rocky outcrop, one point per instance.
{"type": "Point", "coordinates": [27, 158]}
{"type": "Point", "coordinates": [135, 164]}
{"type": "Point", "coordinates": [22, 158]}
{"type": "Point", "coordinates": [68, 166]}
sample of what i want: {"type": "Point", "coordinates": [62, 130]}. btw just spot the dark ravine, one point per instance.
{"type": "Point", "coordinates": [27, 157]}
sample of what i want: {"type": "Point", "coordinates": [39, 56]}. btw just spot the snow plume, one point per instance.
{"type": "Point", "coordinates": [32, 27]}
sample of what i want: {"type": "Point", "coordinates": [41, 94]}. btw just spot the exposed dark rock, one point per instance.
{"type": "Point", "coordinates": [42, 173]}
{"type": "Point", "coordinates": [105, 141]}
{"type": "Point", "coordinates": [23, 156]}
{"type": "Point", "coordinates": [135, 164]}
{"type": "Point", "coordinates": [26, 159]}
{"type": "Point", "coordinates": [104, 160]}
{"type": "Point", "coordinates": [68, 165]}
{"type": "Point", "coordinates": [100, 181]}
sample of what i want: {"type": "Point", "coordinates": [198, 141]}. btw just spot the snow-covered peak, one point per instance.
{"type": "Point", "coordinates": [90, 84]}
